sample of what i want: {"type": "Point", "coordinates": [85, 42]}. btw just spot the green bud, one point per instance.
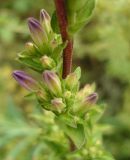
{"type": "Point", "coordinates": [87, 90]}
{"type": "Point", "coordinates": [87, 103]}
{"type": "Point", "coordinates": [31, 49]}
{"type": "Point", "coordinates": [52, 81]}
{"type": "Point", "coordinates": [71, 81]}
{"type": "Point", "coordinates": [29, 46]}
{"type": "Point", "coordinates": [47, 62]}
{"type": "Point", "coordinates": [67, 94]}
{"type": "Point", "coordinates": [42, 95]}
{"type": "Point", "coordinates": [57, 105]}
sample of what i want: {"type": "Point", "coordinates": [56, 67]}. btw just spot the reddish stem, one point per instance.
{"type": "Point", "coordinates": [63, 24]}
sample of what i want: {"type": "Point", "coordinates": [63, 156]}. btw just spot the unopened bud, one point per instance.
{"type": "Point", "coordinates": [67, 94]}
{"type": "Point", "coordinates": [41, 95]}
{"type": "Point", "coordinates": [45, 20]}
{"type": "Point", "coordinates": [52, 81]}
{"type": "Point", "coordinates": [47, 62]}
{"type": "Point", "coordinates": [91, 99]}
{"type": "Point", "coordinates": [86, 91]}
{"type": "Point", "coordinates": [71, 81]}
{"type": "Point", "coordinates": [25, 80]}
{"type": "Point", "coordinates": [86, 104]}
{"type": "Point", "coordinates": [37, 32]}
{"type": "Point", "coordinates": [57, 105]}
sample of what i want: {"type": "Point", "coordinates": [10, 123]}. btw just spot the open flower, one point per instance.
{"type": "Point", "coordinates": [25, 80]}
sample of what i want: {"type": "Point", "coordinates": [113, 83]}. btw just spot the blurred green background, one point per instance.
{"type": "Point", "coordinates": [102, 49]}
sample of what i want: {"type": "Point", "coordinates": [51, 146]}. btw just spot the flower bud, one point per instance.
{"type": "Point", "coordinates": [52, 81]}
{"type": "Point", "coordinates": [57, 105]}
{"type": "Point", "coordinates": [86, 104]}
{"type": "Point", "coordinates": [42, 95]}
{"type": "Point", "coordinates": [37, 32]}
{"type": "Point", "coordinates": [71, 81]}
{"type": "Point", "coordinates": [67, 94]}
{"type": "Point", "coordinates": [91, 99]}
{"type": "Point", "coordinates": [86, 91]}
{"type": "Point", "coordinates": [25, 80]}
{"type": "Point", "coordinates": [47, 62]}
{"type": "Point", "coordinates": [30, 48]}
{"type": "Point", "coordinates": [45, 20]}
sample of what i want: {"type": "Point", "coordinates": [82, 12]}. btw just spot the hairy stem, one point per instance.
{"type": "Point", "coordinates": [63, 24]}
{"type": "Point", "coordinates": [67, 53]}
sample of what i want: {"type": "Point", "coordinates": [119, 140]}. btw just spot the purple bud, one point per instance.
{"type": "Point", "coordinates": [91, 99]}
{"type": "Point", "coordinates": [87, 103]}
{"type": "Point", "coordinates": [38, 34]}
{"type": "Point", "coordinates": [52, 81]}
{"type": "Point", "coordinates": [44, 15]}
{"type": "Point", "coordinates": [45, 20]}
{"type": "Point", "coordinates": [24, 80]}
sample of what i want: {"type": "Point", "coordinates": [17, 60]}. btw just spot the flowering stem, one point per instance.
{"type": "Point", "coordinates": [63, 24]}
{"type": "Point", "coordinates": [67, 53]}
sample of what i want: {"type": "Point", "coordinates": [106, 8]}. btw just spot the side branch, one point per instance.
{"type": "Point", "coordinates": [63, 24]}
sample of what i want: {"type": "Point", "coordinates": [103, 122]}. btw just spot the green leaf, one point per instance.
{"type": "Point", "coordinates": [37, 66]}
{"type": "Point", "coordinates": [75, 5]}
{"type": "Point", "coordinates": [76, 134]}
{"type": "Point", "coordinates": [58, 51]}
{"type": "Point", "coordinates": [82, 17]}
{"type": "Point", "coordinates": [95, 113]}
{"type": "Point", "coordinates": [37, 151]}
{"type": "Point", "coordinates": [86, 11]}
{"type": "Point", "coordinates": [54, 23]}
{"type": "Point", "coordinates": [69, 120]}
{"type": "Point", "coordinates": [15, 151]}
{"type": "Point", "coordinates": [76, 27]}
{"type": "Point", "coordinates": [78, 72]}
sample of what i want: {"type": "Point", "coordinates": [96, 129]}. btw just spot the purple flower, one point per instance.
{"type": "Point", "coordinates": [37, 32]}
{"type": "Point", "coordinates": [52, 81]}
{"type": "Point", "coordinates": [24, 80]}
{"type": "Point", "coordinates": [45, 20]}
